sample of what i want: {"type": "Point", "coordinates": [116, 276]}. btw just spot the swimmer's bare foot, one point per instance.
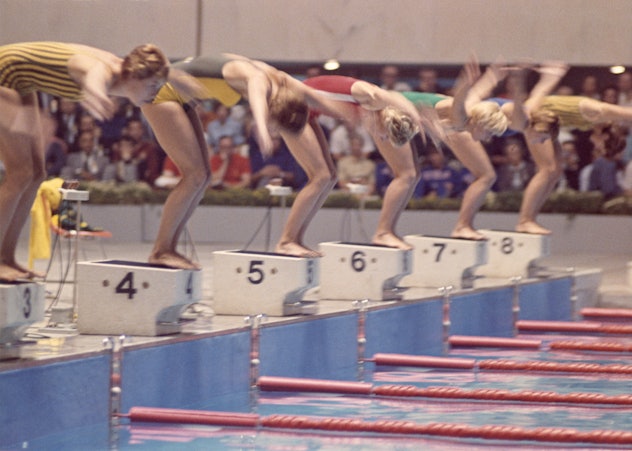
{"type": "Point", "coordinates": [391, 240]}
{"type": "Point", "coordinates": [532, 227]}
{"type": "Point", "coordinates": [36, 274]}
{"type": "Point", "coordinates": [468, 233]}
{"type": "Point", "coordinates": [173, 260]}
{"type": "Point", "coordinates": [298, 250]}
{"type": "Point", "coordinates": [30, 274]}
{"type": "Point", "coordinates": [11, 274]}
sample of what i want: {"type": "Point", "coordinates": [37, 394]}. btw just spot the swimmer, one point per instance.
{"type": "Point", "coordinates": [76, 72]}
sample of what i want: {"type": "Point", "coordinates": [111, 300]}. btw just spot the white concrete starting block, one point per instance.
{"type": "Point", "coordinates": [132, 298]}
{"type": "Point", "coordinates": [21, 304]}
{"type": "Point", "coordinates": [443, 261]}
{"type": "Point", "coordinates": [253, 283]}
{"type": "Point", "coordinates": [513, 254]}
{"type": "Point", "coordinates": [362, 271]}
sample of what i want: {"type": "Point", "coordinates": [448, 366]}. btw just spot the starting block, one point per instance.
{"type": "Point", "coordinates": [444, 261]}
{"type": "Point", "coordinates": [513, 254]}
{"type": "Point", "coordinates": [21, 304]}
{"type": "Point", "coordinates": [362, 271]}
{"type": "Point", "coordinates": [132, 298]}
{"type": "Point", "coordinates": [253, 283]}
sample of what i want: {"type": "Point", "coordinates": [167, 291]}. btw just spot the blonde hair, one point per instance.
{"type": "Point", "coordinates": [289, 109]}
{"type": "Point", "coordinates": [489, 116]}
{"type": "Point", "coordinates": [545, 121]}
{"type": "Point", "coordinates": [399, 126]}
{"type": "Point", "coordinates": [145, 61]}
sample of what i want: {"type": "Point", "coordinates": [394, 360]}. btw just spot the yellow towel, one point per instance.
{"type": "Point", "coordinates": [47, 200]}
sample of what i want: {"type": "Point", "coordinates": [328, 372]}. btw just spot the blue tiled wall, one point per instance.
{"type": "Point", "coordinates": [43, 400]}
{"type": "Point", "coordinates": [483, 313]}
{"type": "Point", "coordinates": [324, 348]}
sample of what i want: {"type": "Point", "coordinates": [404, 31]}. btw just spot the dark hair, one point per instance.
{"type": "Point", "coordinates": [614, 142]}
{"type": "Point", "coordinates": [127, 138]}
{"type": "Point", "coordinates": [289, 110]}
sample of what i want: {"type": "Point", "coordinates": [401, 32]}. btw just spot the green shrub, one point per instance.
{"type": "Point", "coordinates": [567, 202]}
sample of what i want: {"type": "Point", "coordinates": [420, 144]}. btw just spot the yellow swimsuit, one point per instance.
{"type": "Point", "coordinates": [567, 110]}
{"type": "Point", "coordinates": [208, 71]}
{"type": "Point", "coordinates": [38, 66]}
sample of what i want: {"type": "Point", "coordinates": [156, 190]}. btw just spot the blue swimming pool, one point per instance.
{"type": "Point", "coordinates": [212, 371]}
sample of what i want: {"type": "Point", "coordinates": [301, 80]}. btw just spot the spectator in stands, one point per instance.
{"type": "Point", "coordinates": [279, 165]}
{"type": "Point", "coordinates": [571, 166]}
{"type": "Point", "coordinates": [340, 140]}
{"type": "Point", "coordinates": [624, 83]}
{"type": "Point", "coordinates": [356, 168]}
{"type": "Point", "coordinates": [148, 155]}
{"type": "Point", "coordinates": [113, 129]}
{"type": "Point", "coordinates": [56, 149]}
{"type": "Point", "coordinates": [125, 164]}
{"type": "Point", "coordinates": [515, 173]}
{"type": "Point", "coordinates": [603, 176]}
{"type": "Point", "coordinates": [229, 169]}
{"type": "Point", "coordinates": [438, 179]}
{"type": "Point", "coordinates": [88, 162]}
{"type": "Point", "coordinates": [224, 125]}
{"type": "Point", "coordinates": [428, 81]}
{"type": "Point", "coordinates": [389, 79]}
{"type": "Point", "coordinates": [67, 115]}
{"type": "Point", "coordinates": [590, 87]}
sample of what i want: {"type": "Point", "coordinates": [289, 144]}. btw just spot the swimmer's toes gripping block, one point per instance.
{"type": "Point", "coordinates": [253, 283]}
{"type": "Point", "coordinates": [513, 254]}
{"type": "Point", "coordinates": [443, 261]}
{"type": "Point", "coordinates": [131, 298]}
{"type": "Point", "coordinates": [362, 271]}
{"type": "Point", "coordinates": [21, 304]}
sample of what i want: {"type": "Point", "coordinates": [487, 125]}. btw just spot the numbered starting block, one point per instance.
{"type": "Point", "coordinates": [21, 304]}
{"type": "Point", "coordinates": [131, 298]}
{"type": "Point", "coordinates": [443, 261]}
{"type": "Point", "coordinates": [253, 283]}
{"type": "Point", "coordinates": [362, 271]}
{"type": "Point", "coordinates": [513, 254]}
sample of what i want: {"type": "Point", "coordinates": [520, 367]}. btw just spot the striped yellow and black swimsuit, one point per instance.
{"type": "Point", "coordinates": [38, 66]}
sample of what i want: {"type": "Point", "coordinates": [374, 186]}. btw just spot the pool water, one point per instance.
{"type": "Point", "coordinates": [371, 408]}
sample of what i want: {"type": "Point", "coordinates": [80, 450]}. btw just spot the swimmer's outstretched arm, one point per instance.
{"type": "Point", "coordinates": [94, 77]}
{"type": "Point", "coordinates": [468, 76]}
{"type": "Point", "coordinates": [254, 84]}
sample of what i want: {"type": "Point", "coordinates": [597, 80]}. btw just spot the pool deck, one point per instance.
{"type": "Point", "coordinates": [614, 293]}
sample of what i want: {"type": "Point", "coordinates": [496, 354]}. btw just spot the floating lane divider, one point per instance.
{"type": "Point", "coordinates": [290, 384]}
{"type": "Point", "coordinates": [464, 341]}
{"type": "Point", "coordinates": [339, 424]}
{"type": "Point", "coordinates": [613, 314]}
{"type": "Point", "coordinates": [586, 327]}
{"type": "Point", "coordinates": [498, 364]}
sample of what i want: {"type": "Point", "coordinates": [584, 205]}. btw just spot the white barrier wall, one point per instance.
{"type": "Point", "coordinates": [580, 32]}
{"type": "Point", "coordinates": [571, 233]}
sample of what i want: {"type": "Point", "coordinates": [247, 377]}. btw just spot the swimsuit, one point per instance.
{"type": "Point", "coordinates": [335, 87]}
{"type": "Point", "coordinates": [566, 108]}
{"type": "Point", "coordinates": [424, 98]}
{"type": "Point", "coordinates": [208, 71]}
{"type": "Point", "coordinates": [39, 66]}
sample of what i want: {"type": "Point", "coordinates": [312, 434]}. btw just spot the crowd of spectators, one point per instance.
{"type": "Point", "coordinates": [124, 150]}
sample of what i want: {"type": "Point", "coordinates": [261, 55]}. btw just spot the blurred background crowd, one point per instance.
{"type": "Point", "coordinates": [124, 150]}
